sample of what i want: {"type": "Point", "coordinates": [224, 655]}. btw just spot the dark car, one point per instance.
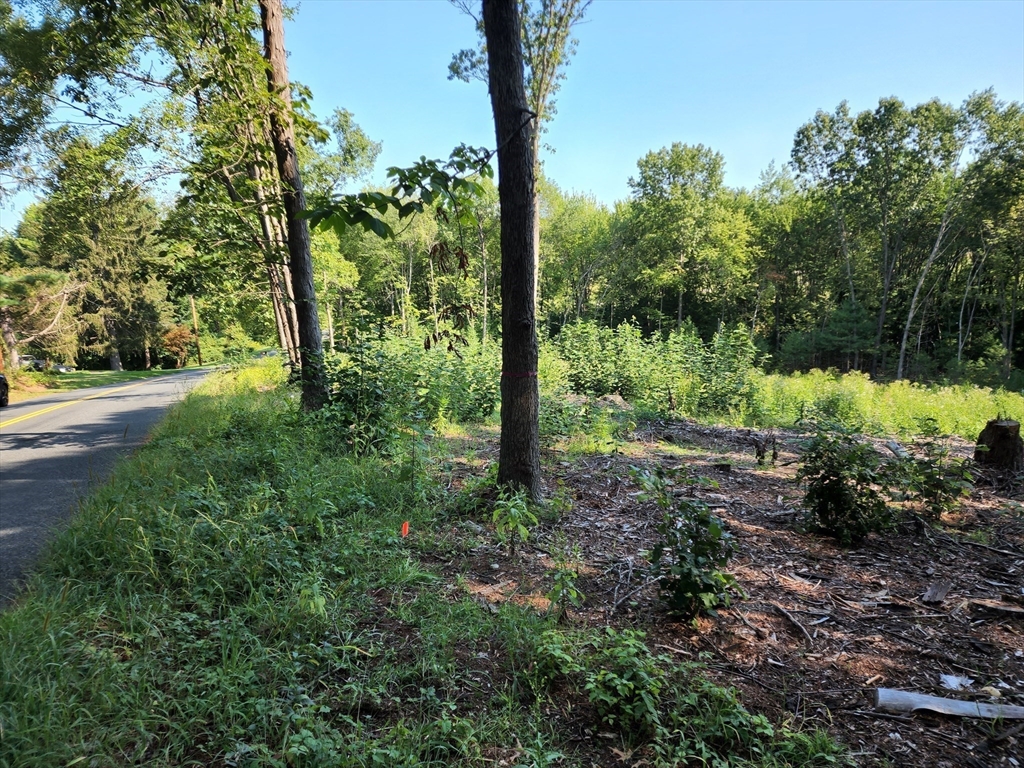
{"type": "Point", "coordinates": [5, 390]}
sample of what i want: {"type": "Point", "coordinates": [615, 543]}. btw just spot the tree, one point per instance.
{"type": "Point", "coordinates": [314, 386]}
{"type": "Point", "coordinates": [884, 172]}
{"type": "Point", "coordinates": [325, 172]}
{"type": "Point", "coordinates": [33, 310]}
{"type": "Point", "coordinates": [688, 236]}
{"type": "Point", "coordinates": [576, 248]}
{"type": "Point", "coordinates": [519, 459]}
{"type": "Point", "coordinates": [97, 226]}
{"type": "Point", "coordinates": [547, 47]}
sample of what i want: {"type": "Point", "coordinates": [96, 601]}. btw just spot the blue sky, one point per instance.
{"type": "Point", "coordinates": [739, 77]}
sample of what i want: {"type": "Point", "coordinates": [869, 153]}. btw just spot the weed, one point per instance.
{"type": "Point", "coordinates": [624, 681]}
{"type": "Point", "coordinates": [553, 657]}
{"type": "Point", "coordinates": [564, 591]}
{"type": "Point", "coordinates": [513, 517]}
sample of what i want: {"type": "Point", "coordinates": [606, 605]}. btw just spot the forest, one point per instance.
{"type": "Point", "coordinates": [889, 244]}
{"type": "Point", "coordinates": [489, 472]}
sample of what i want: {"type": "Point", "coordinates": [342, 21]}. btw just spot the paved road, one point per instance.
{"type": "Point", "coordinates": [53, 449]}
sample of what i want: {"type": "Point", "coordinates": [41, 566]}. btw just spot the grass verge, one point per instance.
{"type": "Point", "coordinates": [239, 594]}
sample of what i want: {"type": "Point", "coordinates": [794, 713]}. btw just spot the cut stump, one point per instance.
{"type": "Point", "coordinates": [1000, 446]}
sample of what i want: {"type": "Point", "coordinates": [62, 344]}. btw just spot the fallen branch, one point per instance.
{"type": "Point", "coordinates": [796, 623]}
{"type": "Point", "coordinates": [630, 594]}
{"type": "Point", "coordinates": [898, 450]}
{"type": "Point", "coordinates": [757, 630]}
{"type": "Point", "coordinates": [904, 702]}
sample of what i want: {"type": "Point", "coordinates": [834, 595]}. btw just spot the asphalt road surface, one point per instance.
{"type": "Point", "coordinates": [55, 448]}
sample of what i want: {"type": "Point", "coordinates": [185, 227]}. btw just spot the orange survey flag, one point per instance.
{"type": "Point", "coordinates": [405, 529]}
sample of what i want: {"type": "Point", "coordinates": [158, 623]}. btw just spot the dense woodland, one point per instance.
{"type": "Point", "coordinates": [891, 243]}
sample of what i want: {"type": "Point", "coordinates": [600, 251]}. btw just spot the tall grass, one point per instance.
{"type": "Point", "coordinates": [722, 381]}
{"type": "Point", "coordinates": [899, 407]}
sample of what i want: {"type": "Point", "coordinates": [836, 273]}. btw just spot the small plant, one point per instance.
{"type": "Point", "coordinates": [564, 591]}
{"type": "Point", "coordinates": [933, 478]}
{"type": "Point", "coordinates": [513, 517]}
{"type": "Point", "coordinates": [624, 681]}
{"type": "Point", "coordinates": [553, 657]}
{"type": "Point", "coordinates": [693, 547]}
{"type": "Point", "coordinates": [843, 474]}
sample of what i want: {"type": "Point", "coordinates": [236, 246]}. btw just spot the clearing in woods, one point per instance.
{"type": "Point", "coordinates": [822, 625]}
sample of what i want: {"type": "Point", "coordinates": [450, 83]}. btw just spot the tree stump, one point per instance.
{"type": "Point", "coordinates": [1005, 449]}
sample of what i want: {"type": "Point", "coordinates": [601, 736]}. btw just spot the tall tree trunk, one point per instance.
{"type": "Point", "coordinates": [10, 341]}
{"type": "Point", "coordinates": [887, 270]}
{"type": "Point", "coordinates": [284, 335]}
{"type": "Point", "coordinates": [273, 249]}
{"type": "Point", "coordinates": [1013, 320]}
{"type": "Point", "coordinates": [330, 314]}
{"type": "Point", "coordinates": [962, 334]}
{"type": "Point", "coordinates": [311, 354]}
{"type": "Point", "coordinates": [113, 352]}
{"type": "Point", "coordinates": [936, 249]}
{"type": "Point", "coordinates": [483, 260]}
{"type": "Point", "coordinates": [291, 312]}
{"type": "Point", "coordinates": [535, 151]}
{"type": "Point", "coordinates": [433, 294]}
{"type": "Point", "coordinates": [844, 244]}
{"type": "Point", "coordinates": [519, 459]}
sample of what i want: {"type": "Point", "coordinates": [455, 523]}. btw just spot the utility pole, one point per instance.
{"type": "Point", "coordinates": [195, 326]}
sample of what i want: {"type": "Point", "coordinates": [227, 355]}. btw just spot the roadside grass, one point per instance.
{"type": "Point", "coordinates": [239, 594]}
{"type": "Point", "coordinates": [28, 384]}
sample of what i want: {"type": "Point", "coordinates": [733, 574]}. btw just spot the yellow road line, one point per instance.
{"type": "Point", "coordinates": [41, 411]}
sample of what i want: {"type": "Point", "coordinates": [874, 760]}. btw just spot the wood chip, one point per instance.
{"type": "Point", "coordinates": [937, 592]}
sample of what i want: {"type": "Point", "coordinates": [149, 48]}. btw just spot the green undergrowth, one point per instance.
{"type": "Point", "coordinates": [724, 381]}
{"type": "Point", "coordinates": [240, 594]}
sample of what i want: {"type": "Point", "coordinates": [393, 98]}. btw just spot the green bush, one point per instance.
{"type": "Point", "coordinates": [624, 681]}
{"type": "Point", "coordinates": [368, 399]}
{"type": "Point", "coordinates": [684, 718]}
{"type": "Point", "coordinates": [679, 374]}
{"type": "Point", "coordinates": [930, 477]}
{"type": "Point", "coordinates": [692, 548]}
{"type": "Point", "coordinates": [842, 475]}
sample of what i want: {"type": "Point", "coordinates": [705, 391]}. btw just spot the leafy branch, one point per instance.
{"type": "Point", "coordinates": [427, 183]}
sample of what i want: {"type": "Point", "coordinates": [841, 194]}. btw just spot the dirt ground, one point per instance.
{"type": "Point", "coordinates": [822, 627]}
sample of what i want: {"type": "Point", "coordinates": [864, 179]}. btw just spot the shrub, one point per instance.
{"type": "Point", "coordinates": [693, 546]}
{"type": "Point", "coordinates": [842, 476]}
{"type": "Point", "coordinates": [365, 397]}
{"type": "Point", "coordinates": [729, 361]}
{"type": "Point", "coordinates": [513, 517]}
{"type": "Point", "coordinates": [624, 681]}
{"type": "Point", "coordinates": [932, 478]}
